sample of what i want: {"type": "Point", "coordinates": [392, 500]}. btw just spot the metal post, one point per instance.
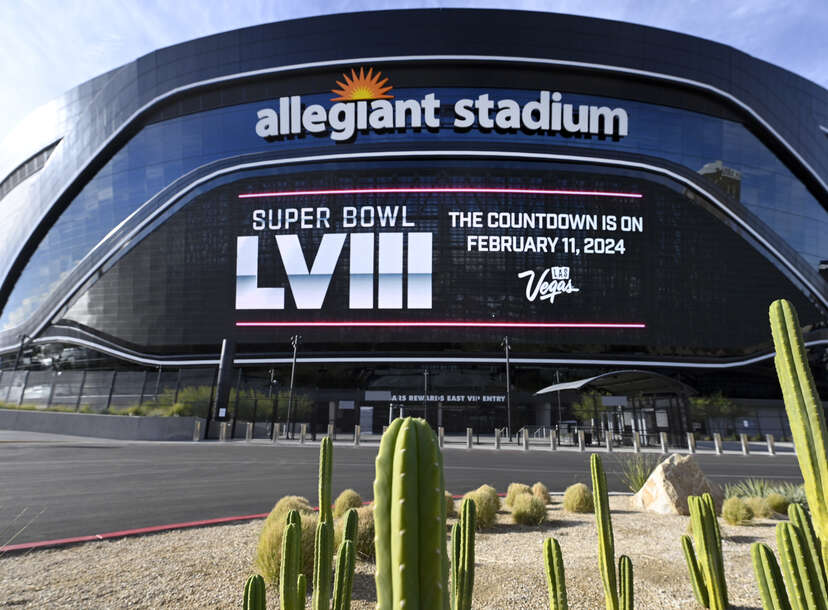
{"type": "Point", "coordinates": [197, 431]}
{"type": "Point", "coordinates": [636, 440]}
{"type": "Point", "coordinates": [23, 389]}
{"type": "Point", "coordinates": [441, 436]}
{"type": "Point", "coordinates": [581, 443]}
{"type": "Point", "coordinates": [236, 407]}
{"type": "Point", "coordinates": [691, 442]}
{"type": "Point", "coordinates": [248, 434]}
{"type": "Point", "coordinates": [609, 443]}
{"type": "Point", "coordinates": [294, 342]}
{"type": "Point", "coordinates": [331, 431]}
{"type": "Point", "coordinates": [52, 391]}
{"type": "Point", "coordinates": [663, 437]}
{"type": "Point", "coordinates": [303, 430]}
{"type": "Point", "coordinates": [525, 438]}
{"type": "Point", "coordinates": [497, 438]}
{"type": "Point", "coordinates": [20, 350]}
{"type": "Point", "coordinates": [717, 442]}
{"type": "Point", "coordinates": [177, 385]}
{"type": "Point", "coordinates": [744, 440]}
{"type": "Point", "coordinates": [553, 440]}
{"type": "Point", "coordinates": [80, 390]}
{"type": "Point", "coordinates": [505, 345]}
{"type": "Point", "coordinates": [356, 435]}
{"type": "Point", "coordinates": [111, 391]}
{"type": "Point", "coordinates": [425, 394]}
{"type": "Point", "coordinates": [560, 417]}
{"type": "Point", "coordinates": [468, 438]}
{"type": "Point", "coordinates": [143, 388]}
{"type": "Point", "coordinates": [771, 444]}
{"type": "Point", "coordinates": [223, 431]}
{"type": "Point", "coordinates": [275, 437]}
{"type": "Point", "coordinates": [158, 383]}
{"type": "Point", "coordinates": [208, 415]}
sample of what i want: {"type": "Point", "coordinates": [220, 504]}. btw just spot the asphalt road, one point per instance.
{"type": "Point", "coordinates": [78, 488]}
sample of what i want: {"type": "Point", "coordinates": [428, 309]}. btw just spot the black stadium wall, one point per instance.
{"type": "Point", "coordinates": [404, 189]}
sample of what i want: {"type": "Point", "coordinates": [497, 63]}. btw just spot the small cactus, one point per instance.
{"type": "Point", "coordinates": [771, 587]}
{"type": "Point", "coordinates": [625, 576]}
{"type": "Point", "coordinates": [344, 578]}
{"type": "Point", "coordinates": [555, 577]}
{"type": "Point", "coordinates": [706, 572]}
{"type": "Point", "coordinates": [462, 558]}
{"type": "Point", "coordinates": [410, 519]}
{"type": "Point", "coordinates": [291, 562]}
{"type": "Point", "coordinates": [254, 593]}
{"type": "Point", "coordinates": [351, 525]}
{"type": "Point", "coordinates": [606, 541]}
{"type": "Point", "coordinates": [323, 543]}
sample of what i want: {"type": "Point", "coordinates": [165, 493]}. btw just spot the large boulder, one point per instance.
{"type": "Point", "coordinates": [672, 481]}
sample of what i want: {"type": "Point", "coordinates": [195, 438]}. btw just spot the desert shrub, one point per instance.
{"type": "Point", "coordinates": [759, 507]}
{"type": "Point", "coordinates": [528, 509]}
{"type": "Point", "coordinates": [777, 503]}
{"type": "Point", "coordinates": [365, 533]}
{"type": "Point", "coordinates": [451, 509]}
{"type": "Point", "coordinates": [636, 468]}
{"type": "Point", "coordinates": [514, 490]}
{"type": "Point", "coordinates": [285, 505]}
{"type": "Point", "coordinates": [269, 550]}
{"type": "Point", "coordinates": [792, 493]}
{"type": "Point", "coordinates": [347, 499]}
{"type": "Point", "coordinates": [486, 504]}
{"type": "Point", "coordinates": [541, 492]}
{"type": "Point", "coordinates": [578, 499]}
{"type": "Point", "coordinates": [736, 512]}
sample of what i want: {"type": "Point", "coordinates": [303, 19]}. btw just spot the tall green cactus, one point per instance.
{"type": "Point", "coordinates": [625, 577]}
{"type": "Point", "coordinates": [462, 558]}
{"type": "Point", "coordinates": [410, 519]}
{"type": "Point", "coordinates": [771, 587]}
{"type": "Point", "coordinates": [706, 572]}
{"type": "Point", "coordinates": [323, 543]}
{"type": "Point", "coordinates": [606, 540]}
{"type": "Point", "coordinates": [344, 579]}
{"type": "Point", "coordinates": [800, 519]}
{"type": "Point", "coordinates": [555, 577]}
{"type": "Point", "coordinates": [805, 413]}
{"type": "Point", "coordinates": [290, 569]}
{"type": "Point", "coordinates": [349, 532]}
{"type": "Point", "coordinates": [798, 569]}
{"type": "Point", "coordinates": [254, 593]}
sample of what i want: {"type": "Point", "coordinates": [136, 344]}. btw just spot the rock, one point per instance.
{"type": "Point", "coordinates": [668, 487]}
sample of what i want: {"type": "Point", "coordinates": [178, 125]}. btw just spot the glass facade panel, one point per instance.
{"type": "Point", "coordinates": [723, 151]}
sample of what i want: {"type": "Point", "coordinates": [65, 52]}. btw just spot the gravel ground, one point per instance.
{"type": "Point", "coordinates": [206, 568]}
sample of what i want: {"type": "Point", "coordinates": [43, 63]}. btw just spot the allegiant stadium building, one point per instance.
{"type": "Point", "coordinates": [418, 195]}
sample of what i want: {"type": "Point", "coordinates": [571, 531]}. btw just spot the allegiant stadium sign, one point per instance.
{"type": "Point", "coordinates": [363, 104]}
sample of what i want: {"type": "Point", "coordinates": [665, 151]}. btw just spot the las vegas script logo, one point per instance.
{"type": "Point", "coordinates": [551, 282]}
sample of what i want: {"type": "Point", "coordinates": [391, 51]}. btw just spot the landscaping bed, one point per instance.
{"type": "Point", "coordinates": [207, 567]}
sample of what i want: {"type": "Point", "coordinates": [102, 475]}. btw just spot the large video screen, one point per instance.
{"type": "Point", "coordinates": [451, 253]}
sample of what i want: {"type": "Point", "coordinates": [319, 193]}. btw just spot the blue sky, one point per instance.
{"type": "Point", "coordinates": [49, 46]}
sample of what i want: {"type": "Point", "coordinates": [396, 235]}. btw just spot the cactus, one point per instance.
{"type": "Point", "coordinates": [410, 519]}
{"type": "Point", "coordinates": [462, 558]}
{"type": "Point", "coordinates": [351, 525]}
{"type": "Point", "coordinates": [625, 577]}
{"type": "Point", "coordinates": [254, 593]}
{"type": "Point", "coordinates": [706, 573]}
{"type": "Point", "coordinates": [325, 475]}
{"type": "Point", "coordinates": [344, 579]}
{"type": "Point", "coordinates": [301, 592]}
{"type": "Point", "coordinates": [555, 578]}
{"type": "Point", "coordinates": [289, 570]}
{"type": "Point", "coordinates": [805, 414]}
{"type": "Point", "coordinates": [771, 587]}
{"type": "Point", "coordinates": [798, 569]}
{"type": "Point", "coordinates": [800, 519]}
{"type": "Point", "coordinates": [606, 541]}
{"type": "Point", "coordinates": [323, 544]}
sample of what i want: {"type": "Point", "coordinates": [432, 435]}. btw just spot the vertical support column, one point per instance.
{"type": "Point", "coordinates": [663, 437]}
{"type": "Point", "coordinates": [356, 435]}
{"type": "Point", "coordinates": [111, 391]}
{"type": "Point", "coordinates": [25, 383]}
{"type": "Point", "coordinates": [497, 438]}
{"type": "Point", "coordinates": [636, 440]}
{"type": "Point", "coordinates": [52, 391]}
{"type": "Point", "coordinates": [303, 432]}
{"type": "Point", "coordinates": [248, 434]}
{"type": "Point", "coordinates": [223, 380]}
{"type": "Point", "coordinates": [609, 443]}
{"type": "Point", "coordinates": [771, 444]}
{"type": "Point", "coordinates": [691, 442]}
{"type": "Point", "coordinates": [331, 428]}
{"type": "Point", "coordinates": [553, 440]}
{"type": "Point", "coordinates": [143, 388]}
{"type": "Point", "coordinates": [197, 431]}
{"type": "Point", "coordinates": [177, 385]}
{"type": "Point", "coordinates": [80, 390]}
{"type": "Point", "coordinates": [223, 429]}
{"type": "Point", "coordinates": [581, 443]}
{"type": "Point", "coordinates": [275, 437]}
{"type": "Point", "coordinates": [525, 439]}
{"type": "Point", "coordinates": [717, 442]}
{"type": "Point", "coordinates": [441, 436]}
{"type": "Point", "coordinates": [743, 438]}
{"type": "Point", "coordinates": [468, 438]}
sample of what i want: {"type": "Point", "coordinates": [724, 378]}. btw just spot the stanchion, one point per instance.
{"type": "Point", "coordinates": [717, 442]}
{"type": "Point", "coordinates": [691, 442]}
{"type": "Point", "coordinates": [743, 438]}
{"type": "Point", "coordinates": [771, 444]}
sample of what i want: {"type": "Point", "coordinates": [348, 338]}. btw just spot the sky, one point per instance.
{"type": "Point", "coordinates": [50, 46]}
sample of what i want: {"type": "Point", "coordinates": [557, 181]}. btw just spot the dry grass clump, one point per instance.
{"type": "Point", "coordinates": [778, 503]}
{"type": "Point", "coordinates": [528, 509]}
{"type": "Point", "coordinates": [285, 505]}
{"type": "Point", "coordinates": [760, 507]}
{"type": "Point", "coordinates": [514, 490]}
{"type": "Point", "coordinates": [541, 492]}
{"type": "Point", "coordinates": [347, 499]}
{"type": "Point", "coordinates": [486, 503]}
{"type": "Point", "coordinates": [736, 512]}
{"type": "Point", "coordinates": [269, 550]}
{"type": "Point", "coordinates": [451, 509]}
{"type": "Point", "coordinates": [578, 499]}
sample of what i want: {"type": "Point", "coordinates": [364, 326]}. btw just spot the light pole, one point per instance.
{"type": "Point", "coordinates": [294, 341]}
{"type": "Point", "coordinates": [272, 383]}
{"type": "Point", "coordinates": [506, 347]}
{"type": "Point", "coordinates": [558, 382]}
{"type": "Point", "coordinates": [425, 394]}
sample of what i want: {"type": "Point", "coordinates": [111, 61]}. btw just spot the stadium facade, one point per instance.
{"type": "Point", "coordinates": [405, 190]}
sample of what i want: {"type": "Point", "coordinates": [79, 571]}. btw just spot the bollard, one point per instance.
{"type": "Point", "coordinates": [771, 444]}
{"type": "Point", "coordinates": [303, 430]}
{"type": "Point", "coordinates": [691, 442]}
{"type": "Point", "coordinates": [497, 438]}
{"type": "Point", "coordinates": [581, 444]}
{"type": "Point", "coordinates": [223, 431]}
{"type": "Point", "coordinates": [636, 442]}
{"type": "Point", "coordinates": [356, 435]}
{"type": "Point", "coordinates": [468, 438]}
{"type": "Point", "coordinates": [441, 436]}
{"type": "Point", "coordinates": [197, 430]}
{"type": "Point", "coordinates": [384, 428]}
{"type": "Point", "coordinates": [717, 442]}
{"type": "Point", "coordinates": [553, 441]}
{"type": "Point", "coordinates": [525, 439]}
{"type": "Point", "coordinates": [663, 437]}
{"type": "Point", "coordinates": [275, 434]}
{"type": "Point", "coordinates": [745, 447]}
{"type": "Point", "coordinates": [248, 434]}
{"type": "Point", "coordinates": [609, 443]}
{"type": "Point", "coordinates": [331, 431]}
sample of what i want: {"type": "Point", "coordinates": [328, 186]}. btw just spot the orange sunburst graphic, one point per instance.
{"type": "Point", "coordinates": [362, 87]}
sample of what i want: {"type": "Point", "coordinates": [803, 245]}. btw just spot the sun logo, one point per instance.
{"type": "Point", "coordinates": [362, 87]}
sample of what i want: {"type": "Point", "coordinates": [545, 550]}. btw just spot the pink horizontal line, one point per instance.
{"type": "Point", "coordinates": [439, 189]}
{"type": "Point", "coordinates": [456, 324]}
